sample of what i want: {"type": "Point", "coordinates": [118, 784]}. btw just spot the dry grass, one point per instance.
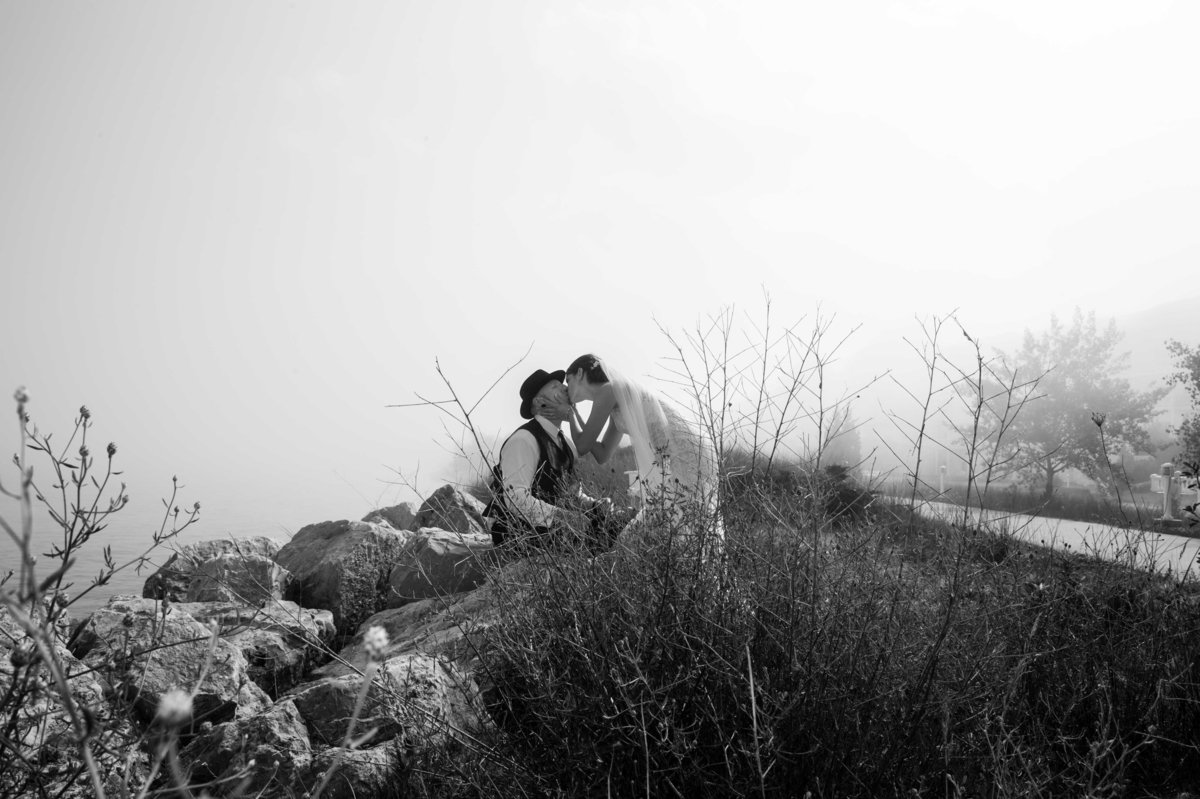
{"type": "Point", "coordinates": [857, 660]}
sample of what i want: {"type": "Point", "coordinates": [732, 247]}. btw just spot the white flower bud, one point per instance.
{"type": "Point", "coordinates": [175, 707]}
{"type": "Point", "coordinates": [375, 641]}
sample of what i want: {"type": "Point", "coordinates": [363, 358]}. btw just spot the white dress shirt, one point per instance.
{"type": "Point", "coordinates": [518, 463]}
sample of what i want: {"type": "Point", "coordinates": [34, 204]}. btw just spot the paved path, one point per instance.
{"type": "Point", "coordinates": [1174, 553]}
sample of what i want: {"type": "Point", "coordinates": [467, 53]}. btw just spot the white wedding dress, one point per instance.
{"type": "Point", "coordinates": [676, 463]}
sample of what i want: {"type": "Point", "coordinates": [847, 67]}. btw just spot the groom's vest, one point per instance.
{"type": "Point", "coordinates": [555, 471]}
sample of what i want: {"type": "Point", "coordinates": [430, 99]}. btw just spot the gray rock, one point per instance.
{"type": "Point", "coordinates": [246, 578]}
{"type": "Point", "coordinates": [439, 563]}
{"type": "Point", "coordinates": [400, 517]}
{"type": "Point", "coordinates": [43, 756]}
{"type": "Point", "coordinates": [281, 640]}
{"type": "Point", "coordinates": [172, 578]}
{"type": "Point", "coordinates": [276, 740]}
{"type": "Point", "coordinates": [343, 567]}
{"type": "Point", "coordinates": [380, 771]}
{"type": "Point", "coordinates": [449, 508]}
{"type": "Point", "coordinates": [150, 650]}
{"type": "Point", "coordinates": [304, 624]}
{"type": "Point", "coordinates": [57, 769]}
{"type": "Point", "coordinates": [452, 627]}
{"type": "Point", "coordinates": [421, 698]}
{"type": "Point", "coordinates": [251, 701]}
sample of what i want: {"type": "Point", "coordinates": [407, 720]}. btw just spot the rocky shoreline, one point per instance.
{"type": "Point", "coordinates": [275, 689]}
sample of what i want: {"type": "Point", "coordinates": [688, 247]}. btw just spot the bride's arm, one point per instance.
{"type": "Point", "coordinates": [603, 449]}
{"type": "Point", "coordinates": [586, 435]}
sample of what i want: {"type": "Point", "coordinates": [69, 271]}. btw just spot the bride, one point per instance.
{"type": "Point", "coordinates": [676, 461]}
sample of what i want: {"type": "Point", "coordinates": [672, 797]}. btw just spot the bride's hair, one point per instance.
{"type": "Point", "coordinates": [592, 366]}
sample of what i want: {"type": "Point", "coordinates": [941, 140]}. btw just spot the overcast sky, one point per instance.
{"type": "Point", "coordinates": [238, 231]}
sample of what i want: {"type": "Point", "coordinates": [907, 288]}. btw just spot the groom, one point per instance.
{"type": "Point", "coordinates": [536, 499]}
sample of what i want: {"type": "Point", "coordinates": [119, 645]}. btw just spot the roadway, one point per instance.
{"type": "Point", "coordinates": [1165, 552]}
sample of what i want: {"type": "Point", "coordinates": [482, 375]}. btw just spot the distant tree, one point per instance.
{"type": "Point", "coordinates": [843, 445]}
{"type": "Point", "coordinates": [1187, 361]}
{"type": "Point", "coordinates": [1079, 388]}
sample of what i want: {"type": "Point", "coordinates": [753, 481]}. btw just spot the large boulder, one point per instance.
{"type": "Point", "coordinates": [269, 750]}
{"type": "Point", "coordinates": [438, 563]}
{"type": "Point", "coordinates": [449, 508]}
{"type": "Point", "coordinates": [172, 579]}
{"type": "Point", "coordinates": [422, 698]}
{"type": "Point", "coordinates": [148, 650]}
{"type": "Point", "coordinates": [42, 753]}
{"type": "Point", "coordinates": [343, 567]}
{"type": "Point", "coordinates": [17, 652]}
{"type": "Point", "coordinates": [281, 640]}
{"type": "Point", "coordinates": [401, 517]}
{"type": "Point", "coordinates": [380, 771]}
{"type": "Point", "coordinates": [452, 628]}
{"type": "Point", "coordinates": [234, 577]}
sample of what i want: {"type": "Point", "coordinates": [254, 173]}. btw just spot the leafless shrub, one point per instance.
{"type": "Point", "coordinates": [889, 655]}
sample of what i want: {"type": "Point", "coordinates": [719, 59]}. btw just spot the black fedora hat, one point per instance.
{"type": "Point", "coordinates": [532, 385]}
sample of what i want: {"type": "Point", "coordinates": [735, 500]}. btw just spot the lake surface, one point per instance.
{"type": "Point", "coordinates": [129, 535]}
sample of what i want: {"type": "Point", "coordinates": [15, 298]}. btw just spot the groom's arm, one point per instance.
{"type": "Point", "coordinates": [581, 501]}
{"type": "Point", "coordinates": [589, 504]}
{"type": "Point", "coordinates": [518, 464]}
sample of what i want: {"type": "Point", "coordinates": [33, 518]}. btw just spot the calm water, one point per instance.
{"type": "Point", "coordinates": [229, 508]}
{"type": "Point", "coordinates": [129, 536]}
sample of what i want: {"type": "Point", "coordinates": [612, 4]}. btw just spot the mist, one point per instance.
{"type": "Point", "coordinates": [239, 235]}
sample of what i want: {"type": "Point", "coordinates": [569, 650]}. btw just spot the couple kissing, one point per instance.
{"type": "Point", "coordinates": [537, 500]}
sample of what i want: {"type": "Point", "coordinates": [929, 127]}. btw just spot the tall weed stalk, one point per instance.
{"type": "Point", "coordinates": [56, 728]}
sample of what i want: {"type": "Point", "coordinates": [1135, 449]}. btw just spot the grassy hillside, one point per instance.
{"type": "Point", "coordinates": [871, 654]}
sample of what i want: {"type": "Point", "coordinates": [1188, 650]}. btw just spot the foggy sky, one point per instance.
{"type": "Point", "coordinates": [239, 231]}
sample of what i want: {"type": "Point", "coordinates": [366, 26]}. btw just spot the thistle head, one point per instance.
{"type": "Point", "coordinates": [174, 707]}
{"type": "Point", "coordinates": [375, 641]}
